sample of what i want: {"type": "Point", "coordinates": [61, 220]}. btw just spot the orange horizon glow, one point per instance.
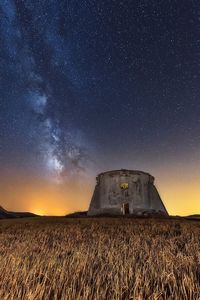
{"type": "Point", "coordinates": [179, 191]}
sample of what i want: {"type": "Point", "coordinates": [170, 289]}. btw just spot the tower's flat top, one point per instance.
{"type": "Point", "coordinates": [125, 171]}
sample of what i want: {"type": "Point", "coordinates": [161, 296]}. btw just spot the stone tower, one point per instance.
{"type": "Point", "coordinates": [125, 192]}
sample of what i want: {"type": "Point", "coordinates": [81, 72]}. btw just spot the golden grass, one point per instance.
{"type": "Point", "coordinates": [57, 258]}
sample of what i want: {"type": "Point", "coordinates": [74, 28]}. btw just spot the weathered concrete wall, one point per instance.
{"type": "Point", "coordinates": [125, 186]}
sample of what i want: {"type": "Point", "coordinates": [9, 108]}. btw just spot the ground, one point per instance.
{"type": "Point", "coordinates": [105, 258]}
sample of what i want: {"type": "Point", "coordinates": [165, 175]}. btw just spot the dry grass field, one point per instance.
{"type": "Point", "coordinates": [58, 258]}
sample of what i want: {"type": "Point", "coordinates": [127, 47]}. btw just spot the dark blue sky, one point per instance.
{"type": "Point", "coordinates": [92, 85]}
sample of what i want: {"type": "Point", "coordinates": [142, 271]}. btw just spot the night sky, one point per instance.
{"type": "Point", "coordinates": [93, 85]}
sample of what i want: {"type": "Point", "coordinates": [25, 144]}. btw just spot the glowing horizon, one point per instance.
{"type": "Point", "coordinates": [179, 193]}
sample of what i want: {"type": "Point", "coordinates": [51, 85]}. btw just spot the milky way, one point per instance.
{"type": "Point", "coordinates": [39, 79]}
{"type": "Point", "coordinates": [87, 86]}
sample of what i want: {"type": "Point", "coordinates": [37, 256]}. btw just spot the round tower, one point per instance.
{"type": "Point", "coordinates": [125, 192]}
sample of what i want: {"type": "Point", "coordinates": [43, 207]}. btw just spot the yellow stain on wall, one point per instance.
{"type": "Point", "coordinates": [124, 186]}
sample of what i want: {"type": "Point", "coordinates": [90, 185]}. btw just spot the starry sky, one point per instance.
{"type": "Point", "coordinates": [88, 86]}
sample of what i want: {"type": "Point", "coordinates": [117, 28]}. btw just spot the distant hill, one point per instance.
{"type": "Point", "coordinates": [193, 217]}
{"type": "Point", "coordinates": [79, 214]}
{"type": "Point", "coordinates": [4, 214]}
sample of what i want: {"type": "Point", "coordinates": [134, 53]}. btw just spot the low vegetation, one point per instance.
{"type": "Point", "coordinates": [58, 258]}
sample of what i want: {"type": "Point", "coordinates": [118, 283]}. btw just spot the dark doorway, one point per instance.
{"type": "Point", "coordinates": [125, 208]}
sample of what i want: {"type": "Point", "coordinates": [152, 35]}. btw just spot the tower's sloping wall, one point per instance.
{"type": "Point", "coordinates": [133, 188]}
{"type": "Point", "coordinates": [155, 200]}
